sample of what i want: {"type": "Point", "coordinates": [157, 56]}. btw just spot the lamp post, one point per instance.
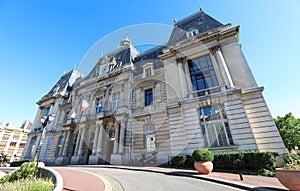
{"type": "Point", "coordinates": [45, 120]}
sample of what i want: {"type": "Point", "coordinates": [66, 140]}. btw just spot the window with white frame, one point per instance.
{"type": "Point", "coordinates": [214, 126]}
{"type": "Point", "coordinates": [99, 106]}
{"type": "Point", "coordinates": [150, 138]}
{"type": "Point", "coordinates": [116, 101]}
{"type": "Point", "coordinates": [148, 70]}
{"type": "Point", "coordinates": [192, 32]}
{"type": "Point", "coordinates": [202, 73]}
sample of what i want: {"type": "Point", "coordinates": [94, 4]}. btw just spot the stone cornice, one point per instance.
{"type": "Point", "coordinates": [214, 34]}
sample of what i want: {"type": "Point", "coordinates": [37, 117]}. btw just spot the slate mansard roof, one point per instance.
{"type": "Point", "coordinates": [199, 21]}
{"type": "Point", "coordinates": [65, 82]}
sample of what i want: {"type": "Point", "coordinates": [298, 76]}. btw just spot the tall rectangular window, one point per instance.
{"type": "Point", "coordinates": [99, 106]}
{"type": "Point", "coordinates": [150, 138]}
{"type": "Point", "coordinates": [47, 111]}
{"type": "Point", "coordinates": [66, 117]}
{"type": "Point", "coordinates": [116, 101]}
{"type": "Point", "coordinates": [148, 72]}
{"type": "Point", "coordinates": [214, 126]}
{"type": "Point", "coordinates": [148, 97]}
{"type": "Point", "coordinates": [202, 73]}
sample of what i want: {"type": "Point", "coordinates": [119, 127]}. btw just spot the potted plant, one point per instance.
{"type": "Point", "coordinates": [203, 160]}
{"type": "Point", "coordinates": [289, 175]}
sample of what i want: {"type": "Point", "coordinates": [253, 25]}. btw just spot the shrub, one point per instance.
{"type": "Point", "coordinates": [28, 184]}
{"type": "Point", "coordinates": [25, 171]}
{"type": "Point", "coordinates": [254, 161]}
{"type": "Point", "coordinates": [292, 162]}
{"type": "Point", "coordinates": [201, 154]}
{"type": "Point", "coordinates": [178, 161]}
{"type": "Point", "coordinates": [182, 161]}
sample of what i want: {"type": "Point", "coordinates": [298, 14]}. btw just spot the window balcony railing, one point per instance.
{"type": "Point", "coordinates": [209, 91]}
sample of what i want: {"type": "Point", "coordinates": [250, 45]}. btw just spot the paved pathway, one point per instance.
{"type": "Point", "coordinates": [81, 181]}
{"type": "Point", "coordinates": [75, 180]}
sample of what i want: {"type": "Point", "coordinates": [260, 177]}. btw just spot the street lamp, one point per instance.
{"type": "Point", "coordinates": [45, 120]}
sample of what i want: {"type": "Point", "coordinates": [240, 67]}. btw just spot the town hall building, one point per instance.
{"type": "Point", "coordinates": [196, 90]}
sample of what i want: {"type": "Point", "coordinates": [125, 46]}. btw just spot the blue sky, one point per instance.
{"type": "Point", "coordinates": [39, 40]}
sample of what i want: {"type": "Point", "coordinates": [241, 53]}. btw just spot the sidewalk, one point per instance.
{"type": "Point", "coordinates": [75, 180]}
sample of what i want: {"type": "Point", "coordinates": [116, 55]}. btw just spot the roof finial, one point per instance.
{"type": "Point", "coordinates": [201, 9]}
{"type": "Point", "coordinates": [174, 20]}
{"type": "Point", "coordinates": [127, 36]}
{"type": "Point", "coordinates": [126, 41]}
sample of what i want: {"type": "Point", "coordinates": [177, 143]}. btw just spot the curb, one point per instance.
{"type": "Point", "coordinates": [59, 180]}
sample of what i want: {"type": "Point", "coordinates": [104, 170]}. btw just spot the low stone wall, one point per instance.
{"type": "Point", "coordinates": [49, 173]}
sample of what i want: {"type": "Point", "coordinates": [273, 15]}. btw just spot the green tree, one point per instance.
{"type": "Point", "coordinates": [289, 129]}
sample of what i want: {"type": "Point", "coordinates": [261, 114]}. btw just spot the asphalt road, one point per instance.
{"type": "Point", "coordinates": [148, 181]}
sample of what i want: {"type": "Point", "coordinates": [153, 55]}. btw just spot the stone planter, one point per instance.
{"type": "Point", "coordinates": [203, 167]}
{"type": "Point", "coordinates": [289, 178]}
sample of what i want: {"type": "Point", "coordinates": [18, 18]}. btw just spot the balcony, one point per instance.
{"type": "Point", "coordinates": [209, 91]}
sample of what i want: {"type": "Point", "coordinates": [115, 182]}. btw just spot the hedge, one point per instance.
{"type": "Point", "coordinates": [181, 161]}
{"type": "Point", "coordinates": [253, 161]}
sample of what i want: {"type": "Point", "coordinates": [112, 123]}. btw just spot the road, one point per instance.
{"type": "Point", "coordinates": [129, 180]}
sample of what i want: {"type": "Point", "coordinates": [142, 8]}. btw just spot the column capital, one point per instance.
{"type": "Point", "coordinates": [215, 48]}
{"type": "Point", "coordinates": [180, 59]}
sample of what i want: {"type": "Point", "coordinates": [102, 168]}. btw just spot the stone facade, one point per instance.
{"type": "Point", "coordinates": [141, 108]}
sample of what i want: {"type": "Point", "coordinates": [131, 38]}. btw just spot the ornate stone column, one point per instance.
{"type": "Point", "coordinates": [63, 145]}
{"type": "Point", "coordinates": [122, 137]}
{"type": "Point", "coordinates": [100, 138]}
{"type": "Point", "coordinates": [183, 84]}
{"type": "Point", "coordinates": [223, 66]}
{"type": "Point", "coordinates": [77, 142]}
{"type": "Point", "coordinates": [80, 151]}
{"type": "Point", "coordinates": [65, 150]}
{"type": "Point", "coordinates": [95, 143]}
{"type": "Point", "coordinates": [116, 144]}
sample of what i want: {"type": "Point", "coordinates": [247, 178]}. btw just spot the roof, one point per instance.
{"type": "Point", "coordinates": [199, 21]}
{"type": "Point", "coordinates": [122, 56]}
{"type": "Point", "coordinates": [150, 55]}
{"type": "Point", "coordinates": [66, 81]}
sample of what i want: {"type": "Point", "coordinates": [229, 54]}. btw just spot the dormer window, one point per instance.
{"type": "Point", "coordinates": [192, 32]}
{"type": "Point", "coordinates": [148, 70]}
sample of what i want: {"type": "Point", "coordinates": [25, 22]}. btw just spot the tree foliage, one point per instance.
{"type": "Point", "coordinates": [289, 129]}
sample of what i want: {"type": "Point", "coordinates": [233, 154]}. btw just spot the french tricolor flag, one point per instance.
{"type": "Point", "coordinates": [85, 104]}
